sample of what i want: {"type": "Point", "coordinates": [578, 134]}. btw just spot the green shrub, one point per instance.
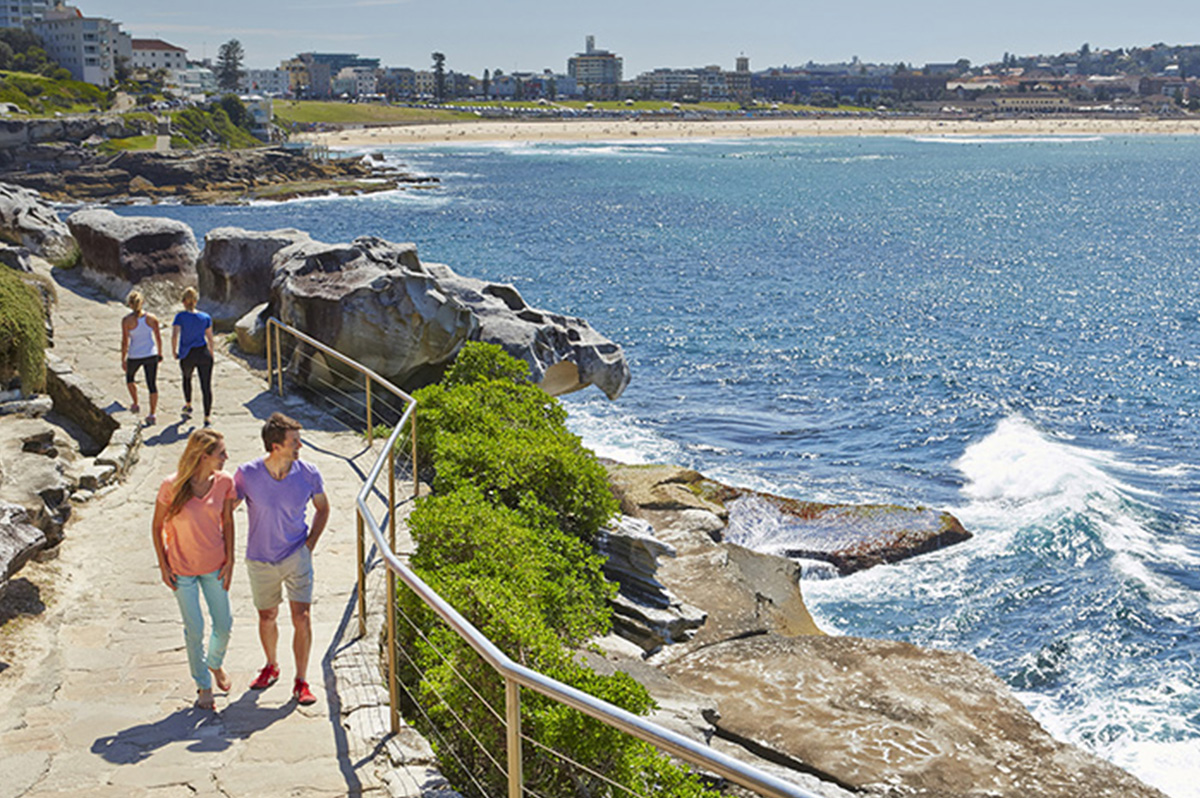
{"type": "Point", "coordinates": [22, 331]}
{"type": "Point", "coordinates": [506, 540]}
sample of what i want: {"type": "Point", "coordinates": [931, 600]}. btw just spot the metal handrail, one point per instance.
{"type": "Point", "coordinates": [515, 675]}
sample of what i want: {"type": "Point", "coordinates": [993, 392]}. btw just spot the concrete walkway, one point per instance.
{"type": "Point", "coordinates": [97, 700]}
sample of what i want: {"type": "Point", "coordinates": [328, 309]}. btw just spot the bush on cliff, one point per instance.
{"type": "Point", "coordinates": [506, 539]}
{"type": "Point", "coordinates": [39, 94]}
{"type": "Point", "coordinates": [196, 128]}
{"type": "Point", "coordinates": [22, 331]}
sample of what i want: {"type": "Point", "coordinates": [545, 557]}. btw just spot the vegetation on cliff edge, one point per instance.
{"type": "Point", "coordinates": [22, 331]}
{"type": "Point", "coordinates": [506, 538]}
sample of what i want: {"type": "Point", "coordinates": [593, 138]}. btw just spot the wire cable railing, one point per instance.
{"type": "Point", "coordinates": [382, 528]}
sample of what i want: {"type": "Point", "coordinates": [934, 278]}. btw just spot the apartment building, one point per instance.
{"type": "Point", "coordinates": [89, 47]}
{"type": "Point", "coordinates": [597, 72]}
{"type": "Point", "coordinates": [154, 54]}
{"type": "Point", "coordinates": [19, 13]}
{"type": "Point", "coordinates": [265, 82]}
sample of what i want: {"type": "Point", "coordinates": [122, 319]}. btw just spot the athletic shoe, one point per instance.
{"type": "Point", "coordinates": [186, 412]}
{"type": "Point", "coordinates": [266, 677]}
{"type": "Point", "coordinates": [302, 694]}
{"type": "Point", "coordinates": [150, 420]}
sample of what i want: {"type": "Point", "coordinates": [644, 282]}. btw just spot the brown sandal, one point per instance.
{"type": "Point", "coordinates": [222, 680]}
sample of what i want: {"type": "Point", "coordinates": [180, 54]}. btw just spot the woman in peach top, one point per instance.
{"type": "Point", "coordinates": [193, 538]}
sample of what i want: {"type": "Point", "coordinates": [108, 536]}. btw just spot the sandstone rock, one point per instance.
{"type": "Point", "coordinates": [890, 717]}
{"type": "Point", "coordinates": [28, 220]}
{"type": "Point", "coordinates": [235, 270]}
{"type": "Point", "coordinates": [41, 484]}
{"type": "Point", "coordinates": [355, 296]}
{"type": "Point", "coordinates": [121, 251]}
{"type": "Point", "coordinates": [251, 330]}
{"type": "Point", "coordinates": [20, 541]}
{"type": "Point", "coordinates": [34, 406]}
{"type": "Point", "coordinates": [644, 611]}
{"type": "Point", "coordinates": [661, 488]}
{"type": "Point", "coordinates": [78, 398]}
{"type": "Point", "coordinates": [851, 537]}
{"type": "Point", "coordinates": [564, 353]}
{"type": "Point", "coordinates": [16, 258]}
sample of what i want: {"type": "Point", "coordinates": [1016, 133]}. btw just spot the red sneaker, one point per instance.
{"type": "Point", "coordinates": [266, 677]}
{"type": "Point", "coordinates": [302, 694]}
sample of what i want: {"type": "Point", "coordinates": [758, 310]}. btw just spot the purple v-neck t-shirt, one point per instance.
{"type": "Point", "coordinates": [276, 508]}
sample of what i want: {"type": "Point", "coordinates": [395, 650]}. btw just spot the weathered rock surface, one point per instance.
{"type": "Point", "coordinates": [891, 717]}
{"type": "Point", "coordinates": [645, 611]}
{"type": "Point", "coordinates": [850, 537]}
{"type": "Point", "coordinates": [65, 171]}
{"type": "Point", "coordinates": [20, 541]}
{"type": "Point", "coordinates": [26, 219]}
{"type": "Point", "coordinates": [358, 296]}
{"type": "Point", "coordinates": [120, 251]}
{"type": "Point", "coordinates": [251, 330]}
{"type": "Point", "coordinates": [38, 465]}
{"type": "Point", "coordinates": [235, 270]}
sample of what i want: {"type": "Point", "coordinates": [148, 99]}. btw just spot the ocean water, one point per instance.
{"type": "Point", "coordinates": [1005, 328]}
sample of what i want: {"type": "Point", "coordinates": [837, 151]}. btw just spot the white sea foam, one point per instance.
{"type": "Point", "coordinates": [978, 140]}
{"type": "Point", "coordinates": [612, 433]}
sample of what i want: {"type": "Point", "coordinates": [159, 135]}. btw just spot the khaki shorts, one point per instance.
{"type": "Point", "coordinates": [268, 578]}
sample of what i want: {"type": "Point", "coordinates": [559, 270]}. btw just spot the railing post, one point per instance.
{"type": "Point", "coordinates": [416, 482]}
{"type": "Point", "coordinates": [370, 426]}
{"type": "Point", "coordinates": [278, 358]}
{"type": "Point", "coordinates": [516, 770]}
{"type": "Point", "coordinates": [393, 687]}
{"type": "Point", "coordinates": [362, 579]}
{"type": "Point", "coordinates": [270, 371]}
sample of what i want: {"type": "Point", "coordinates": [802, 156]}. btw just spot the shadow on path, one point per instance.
{"type": "Point", "coordinates": [204, 730]}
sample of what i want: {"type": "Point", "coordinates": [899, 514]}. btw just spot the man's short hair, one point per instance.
{"type": "Point", "coordinates": [276, 429]}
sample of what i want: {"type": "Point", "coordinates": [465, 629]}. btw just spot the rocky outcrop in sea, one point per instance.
{"type": "Point", "coordinates": [757, 679]}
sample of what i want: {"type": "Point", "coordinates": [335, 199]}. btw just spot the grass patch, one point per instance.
{"type": "Point", "coordinates": [308, 112]}
{"type": "Point", "coordinates": [40, 95]}
{"type": "Point", "coordinates": [22, 331]}
{"type": "Point", "coordinates": [127, 144]}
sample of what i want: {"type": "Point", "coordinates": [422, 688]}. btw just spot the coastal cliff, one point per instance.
{"type": "Point", "coordinates": [842, 715]}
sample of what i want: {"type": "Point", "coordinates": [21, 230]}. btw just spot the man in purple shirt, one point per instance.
{"type": "Point", "coordinates": [279, 544]}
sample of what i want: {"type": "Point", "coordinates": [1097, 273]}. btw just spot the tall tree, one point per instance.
{"type": "Point", "coordinates": [229, 65]}
{"type": "Point", "coordinates": [487, 83]}
{"type": "Point", "coordinates": [439, 76]}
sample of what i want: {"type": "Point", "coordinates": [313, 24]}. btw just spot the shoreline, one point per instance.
{"type": "Point", "coordinates": [526, 131]}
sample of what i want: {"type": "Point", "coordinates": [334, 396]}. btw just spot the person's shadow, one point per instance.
{"type": "Point", "coordinates": [205, 731]}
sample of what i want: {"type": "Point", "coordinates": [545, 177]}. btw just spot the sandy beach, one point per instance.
{"type": "Point", "coordinates": [658, 129]}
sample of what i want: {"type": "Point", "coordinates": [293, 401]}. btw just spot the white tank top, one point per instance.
{"type": "Point", "coordinates": [141, 340]}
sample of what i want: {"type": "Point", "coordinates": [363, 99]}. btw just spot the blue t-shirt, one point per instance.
{"type": "Point", "coordinates": [191, 324]}
{"type": "Point", "coordinates": [276, 508]}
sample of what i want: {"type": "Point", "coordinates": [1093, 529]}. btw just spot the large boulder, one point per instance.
{"type": "Point", "coordinates": [882, 716]}
{"type": "Point", "coordinates": [27, 220]}
{"type": "Point", "coordinates": [122, 251]}
{"type": "Point", "coordinates": [375, 301]}
{"type": "Point", "coordinates": [235, 270]}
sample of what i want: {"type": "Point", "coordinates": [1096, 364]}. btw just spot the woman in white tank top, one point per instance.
{"type": "Point", "coordinates": [141, 348]}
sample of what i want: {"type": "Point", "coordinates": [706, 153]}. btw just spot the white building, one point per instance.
{"type": "Point", "coordinates": [194, 83]}
{"type": "Point", "coordinates": [265, 82]}
{"type": "Point", "coordinates": [355, 81]}
{"type": "Point", "coordinates": [86, 46]}
{"type": "Point", "coordinates": [19, 13]}
{"type": "Point", "coordinates": [262, 111]}
{"type": "Point", "coordinates": [154, 54]}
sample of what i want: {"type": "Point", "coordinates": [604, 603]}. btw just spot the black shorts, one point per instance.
{"type": "Point", "coordinates": [149, 365]}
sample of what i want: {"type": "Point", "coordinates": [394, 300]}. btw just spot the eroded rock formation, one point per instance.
{"type": "Point", "coordinates": [376, 302]}
{"type": "Point", "coordinates": [235, 269]}
{"type": "Point", "coordinates": [117, 252]}
{"type": "Point", "coordinates": [26, 219]}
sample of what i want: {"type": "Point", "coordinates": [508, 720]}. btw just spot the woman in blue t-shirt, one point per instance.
{"type": "Point", "coordinates": [192, 343]}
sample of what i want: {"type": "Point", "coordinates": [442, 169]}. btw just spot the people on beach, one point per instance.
{"type": "Point", "coordinates": [141, 348]}
{"type": "Point", "coordinates": [193, 538]}
{"type": "Point", "coordinates": [277, 489]}
{"type": "Point", "coordinates": [192, 343]}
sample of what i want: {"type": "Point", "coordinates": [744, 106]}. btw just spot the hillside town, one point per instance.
{"type": "Point", "coordinates": [1159, 79]}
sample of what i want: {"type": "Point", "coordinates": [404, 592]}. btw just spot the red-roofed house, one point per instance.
{"type": "Point", "coordinates": [157, 54]}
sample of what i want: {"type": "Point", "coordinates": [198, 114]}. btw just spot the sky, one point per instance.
{"type": "Point", "coordinates": [532, 35]}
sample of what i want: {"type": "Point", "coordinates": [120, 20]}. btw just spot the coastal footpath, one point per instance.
{"type": "Point", "coordinates": [96, 687]}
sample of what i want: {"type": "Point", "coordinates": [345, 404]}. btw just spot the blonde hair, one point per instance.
{"type": "Point", "coordinates": [190, 297]}
{"type": "Point", "coordinates": [135, 301]}
{"type": "Point", "coordinates": [200, 443]}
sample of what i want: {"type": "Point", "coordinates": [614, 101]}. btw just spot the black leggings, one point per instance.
{"type": "Point", "coordinates": [150, 364]}
{"type": "Point", "coordinates": [198, 359]}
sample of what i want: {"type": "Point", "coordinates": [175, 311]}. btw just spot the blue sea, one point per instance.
{"type": "Point", "coordinates": [1004, 328]}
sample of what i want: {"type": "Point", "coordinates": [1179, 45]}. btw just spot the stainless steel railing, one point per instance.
{"type": "Point", "coordinates": [515, 676]}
